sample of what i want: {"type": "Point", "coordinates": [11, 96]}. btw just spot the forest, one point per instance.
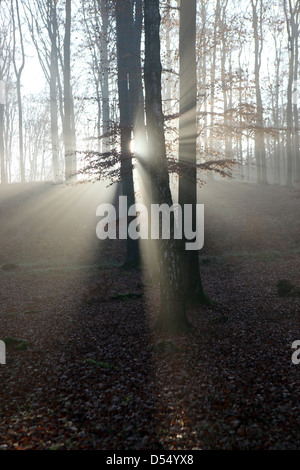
{"type": "Point", "coordinates": [149, 226]}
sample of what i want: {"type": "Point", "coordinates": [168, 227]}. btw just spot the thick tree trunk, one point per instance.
{"type": "Point", "coordinates": [124, 19]}
{"type": "Point", "coordinates": [172, 312]}
{"type": "Point", "coordinates": [192, 285]}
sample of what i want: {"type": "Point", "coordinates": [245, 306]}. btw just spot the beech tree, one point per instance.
{"type": "Point", "coordinates": [192, 285]}
{"type": "Point", "coordinates": [69, 119]}
{"type": "Point", "coordinates": [5, 69]}
{"type": "Point", "coordinates": [172, 311]}
{"type": "Point", "coordinates": [47, 51]}
{"type": "Point", "coordinates": [124, 22]}
{"type": "Point", "coordinates": [96, 20]}
{"type": "Point", "coordinates": [247, 106]}
{"type": "Point", "coordinates": [260, 150]}
{"type": "Point", "coordinates": [18, 64]}
{"type": "Point", "coordinates": [292, 12]}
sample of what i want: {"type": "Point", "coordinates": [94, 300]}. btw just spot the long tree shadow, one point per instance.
{"type": "Point", "coordinates": [79, 382]}
{"type": "Point", "coordinates": [93, 374]}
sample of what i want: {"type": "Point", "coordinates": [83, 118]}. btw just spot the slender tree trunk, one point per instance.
{"type": "Point", "coordinates": [136, 81]}
{"type": "Point", "coordinates": [168, 90]}
{"type": "Point", "coordinates": [48, 58]}
{"type": "Point", "coordinates": [275, 102]}
{"type": "Point", "coordinates": [296, 31]}
{"type": "Point", "coordinates": [18, 72]}
{"type": "Point", "coordinates": [289, 118]}
{"type": "Point", "coordinates": [20, 122]}
{"type": "Point", "coordinates": [8, 135]}
{"type": "Point", "coordinates": [69, 130]}
{"type": "Point", "coordinates": [292, 11]}
{"type": "Point", "coordinates": [99, 113]}
{"type": "Point", "coordinates": [53, 114]}
{"type": "Point", "coordinates": [213, 76]}
{"type": "Point", "coordinates": [224, 79]}
{"type": "Point", "coordinates": [2, 155]}
{"type": "Point", "coordinates": [104, 9]}
{"type": "Point", "coordinates": [52, 31]}
{"type": "Point", "coordinates": [203, 72]}
{"type": "Point", "coordinates": [260, 151]}
{"type": "Point", "coordinates": [240, 140]}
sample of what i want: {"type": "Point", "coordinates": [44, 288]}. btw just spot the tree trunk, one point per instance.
{"type": "Point", "coordinates": [53, 114]}
{"type": "Point", "coordinates": [124, 19]}
{"type": "Point", "coordinates": [52, 31]}
{"type": "Point", "coordinates": [18, 73]}
{"type": "Point", "coordinates": [295, 37]}
{"type": "Point", "coordinates": [192, 286]}
{"type": "Point", "coordinates": [2, 156]}
{"type": "Point", "coordinates": [172, 315]}
{"type": "Point", "coordinates": [104, 7]}
{"type": "Point", "coordinates": [213, 77]}
{"type": "Point", "coordinates": [69, 131]}
{"type": "Point", "coordinates": [260, 151]}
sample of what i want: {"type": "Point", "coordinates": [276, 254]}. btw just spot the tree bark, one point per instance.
{"type": "Point", "coordinates": [104, 7]}
{"type": "Point", "coordinates": [53, 92]}
{"type": "Point", "coordinates": [260, 151]}
{"type": "Point", "coordinates": [172, 316]}
{"type": "Point", "coordinates": [124, 20]}
{"type": "Point", "coordinates": [2, 155]}
{"type": "Point", "coordinates": [68, 128]}
{"type": "Point", "coordinates": [18, 73]}
{"type": "Point", "coordinates": [192, 285]}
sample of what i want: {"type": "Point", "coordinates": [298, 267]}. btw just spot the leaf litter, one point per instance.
{"type": "Point", "coordinates": [95, 374]}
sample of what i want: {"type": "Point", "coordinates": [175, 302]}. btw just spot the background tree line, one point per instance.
{"type": "Point", "coordinates": [247, 71]}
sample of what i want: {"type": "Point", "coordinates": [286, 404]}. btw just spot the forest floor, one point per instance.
{"type": "Point", "coordinates": [90, 372]}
